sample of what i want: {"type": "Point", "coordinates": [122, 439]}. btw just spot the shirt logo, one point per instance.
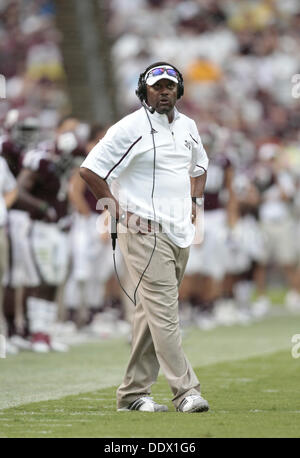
{"type": "Point", "coordinates": [188, 144]}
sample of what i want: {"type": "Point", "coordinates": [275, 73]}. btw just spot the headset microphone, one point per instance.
{"type": "Point", "coordinates": [151, 109]}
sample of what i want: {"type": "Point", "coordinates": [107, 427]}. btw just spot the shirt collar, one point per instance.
{"type": "Point", "coordinates": [163, 117]}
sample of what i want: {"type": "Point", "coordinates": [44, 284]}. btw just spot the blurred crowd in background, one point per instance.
{"type": "Point", "coordinates": [238, 60]}
{"type": "Point", "coordinates": [31, 61]}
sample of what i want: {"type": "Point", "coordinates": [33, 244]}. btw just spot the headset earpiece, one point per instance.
{"type": "Point", "coordinates": [141, 90]}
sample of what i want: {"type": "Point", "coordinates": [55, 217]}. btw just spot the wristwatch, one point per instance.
{"type": "Point", "coordinates": [198, 201]}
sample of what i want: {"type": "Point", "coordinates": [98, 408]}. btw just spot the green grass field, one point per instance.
{"type": "Point", "coordinates": [247, 374]}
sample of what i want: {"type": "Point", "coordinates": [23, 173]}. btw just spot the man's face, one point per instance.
{"type": "Point", "coordinates": [162, 96]}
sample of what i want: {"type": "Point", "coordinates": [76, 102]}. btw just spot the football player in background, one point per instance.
{"type": "Point", "coordinates": [20, 132]}
{"type": "Point", "coordinates": [8, 194]}
{"type": "Point", "coordinates": [203, 282]}
{"type": "Point", "coordinates": [91, 287]}
{"type": "Point", "coordinates": [277, 188]}
{"type": "Point", "coordinates": [84, 289]}
{"type": "Point", "coordinates": [43, 184]}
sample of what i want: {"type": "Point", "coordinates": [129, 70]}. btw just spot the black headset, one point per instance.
{"type": "Point", "coordinates": [141, 90]}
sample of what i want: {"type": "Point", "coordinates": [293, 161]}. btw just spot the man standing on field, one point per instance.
{"type": "Point", "coordinates": [145, 164]}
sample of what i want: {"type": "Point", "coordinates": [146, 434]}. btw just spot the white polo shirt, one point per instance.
{"type": "Point", "coordinates": [7, 184]}
{"type": "Point", "coordinates": [124, 157]}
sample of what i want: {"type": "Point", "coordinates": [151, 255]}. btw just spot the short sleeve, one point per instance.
{"type": "Point", "coordinates": [199, 162]}
{"type": "Point", "coordinates": [112, 154]}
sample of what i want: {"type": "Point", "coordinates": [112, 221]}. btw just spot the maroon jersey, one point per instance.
{"type": "Point", "coordinates": [47, 183]}
{"type": "Point", "coordinates": [12, 154]}
{"type": "Point", "coordinates": [215, 182]}
{"type": "Point", "coordinates": [52, 172]}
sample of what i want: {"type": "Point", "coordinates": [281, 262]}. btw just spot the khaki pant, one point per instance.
{"type": "Point", "coordinates": [156, 339]}
{"type": "Point", "coordinates": [3, 263]}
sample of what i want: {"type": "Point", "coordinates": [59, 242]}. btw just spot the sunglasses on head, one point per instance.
{"type": "Point", "coordinates": [161, 71]}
